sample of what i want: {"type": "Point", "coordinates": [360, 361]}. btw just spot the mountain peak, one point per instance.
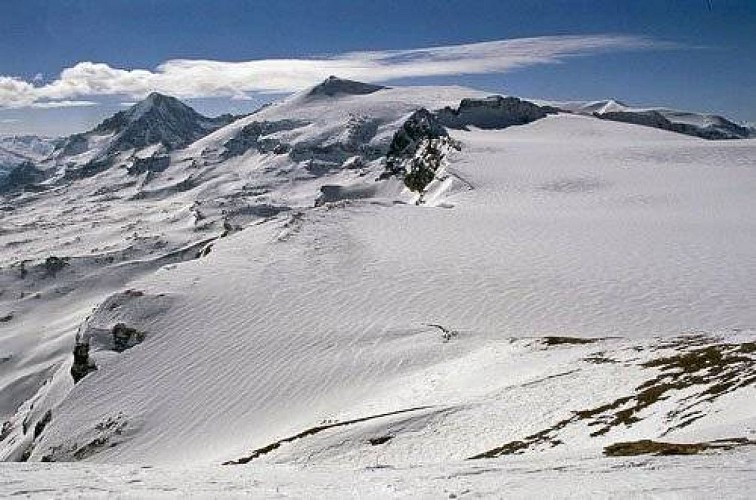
{"type": "Point", "coordinates": [156, 100]}
{"type": "Point", "coordinates": [156, 119]}
{"type": "Point", "coordinates": [334, 85]}
{"type": "Point", "coordinates": [156, 96]}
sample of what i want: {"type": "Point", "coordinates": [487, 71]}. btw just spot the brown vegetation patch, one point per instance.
{"type": "Point", "coordinates": [714, 370]}
{"type": "Point", "coordinates": [649, 447]}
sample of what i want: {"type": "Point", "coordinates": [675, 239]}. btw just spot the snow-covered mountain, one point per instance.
{"type": "Point", "coordinates": [706, 126]}
{"type": "Point", "coordinates": [150, 128]}
{"type": "Point", "coordinates": [360, 275]}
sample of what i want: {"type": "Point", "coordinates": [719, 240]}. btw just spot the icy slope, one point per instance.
{"type": "Point", "coordinates": [570, 227]}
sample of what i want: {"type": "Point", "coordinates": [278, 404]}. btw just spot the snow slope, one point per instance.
{"type": "Point", "coordinates": [119, 223]}
{"type": "Point", "coordinates": [371, 330]}
{"type": "Point", "coordinates": [517, 477]}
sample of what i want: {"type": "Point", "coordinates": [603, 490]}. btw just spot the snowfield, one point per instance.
{"type": "Point", "coordinates": [712, 476]}
{"type": "Point", "coordinates": [561, 291]}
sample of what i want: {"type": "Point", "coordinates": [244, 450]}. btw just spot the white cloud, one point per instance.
{"type": "Point", "coordinates": [62, 104]}
{"type": "Point", "coordinates": [205, 78]}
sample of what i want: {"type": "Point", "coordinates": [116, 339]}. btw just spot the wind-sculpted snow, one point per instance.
{"type": "Point", "coordinates": [143, 210]}
{"type": "Point", "coordinates": [726, 475]}
{"type": "Point", "coordinates": [540, 301]}
{"type": "Point", "coordinates": [321, 315]}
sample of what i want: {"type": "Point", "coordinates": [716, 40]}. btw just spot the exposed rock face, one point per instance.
{"type": "Point", "coordinates": [331, 193]}
{"type": "Point", "coordinates": [152, 164]}
{"type": "Point", "coordinates": [73, 145]}
{"type": "Point", "coordinates": [125, 337]}
{"type": "Point", "coordinates": [39, 427]}
{"type": "Point", "coordinates": [253, 136]}
{"type": "Point", "coordinates": [421, 126]}
{"type": "Point", "coordinates": [82, 365]}
{"type": "Point", "coordinates": [492, 113]}
{"type": "Point", "coordinates": [95, 337]}
{"type": "Point", "coordinates": [54, 264]}
{"type": "Point", "coordinates": [418, 148]}
{"type": "Point", "coordinates": [159, 119]}
{"type": "Point", "coordinates": [421, 169]}
{"type": "Point", "coordinates": [724, 129]}
{"type": "Point", "coordinates": [114, 327]}
{"type": "Point", "coordinates": [334, 86]}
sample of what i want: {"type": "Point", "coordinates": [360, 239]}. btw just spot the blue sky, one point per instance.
{"type": "Point", "coordinates": [693, 54]}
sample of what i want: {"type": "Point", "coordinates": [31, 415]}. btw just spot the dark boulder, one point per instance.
{"type": "Point", "coordinates": [82, 365]}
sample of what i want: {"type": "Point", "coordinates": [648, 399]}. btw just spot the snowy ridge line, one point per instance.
{"type": "Point", "coordinates": [315, 430]}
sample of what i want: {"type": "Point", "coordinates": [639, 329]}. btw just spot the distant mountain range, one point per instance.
{"type": "Point", "coordinates": [706, 126]}
{"type": "Point", "coordinates": [17, 149]}
{"type": "Point", "coordinates": [160, 124]}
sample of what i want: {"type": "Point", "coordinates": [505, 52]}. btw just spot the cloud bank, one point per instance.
{"type": "Point", "coordinates": [205, 78]}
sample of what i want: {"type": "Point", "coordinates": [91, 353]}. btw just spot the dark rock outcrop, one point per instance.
{"type": "Point", "coordinates": [23, 177]}
{"type": "Point", "coordinates": [158, 119]}
{"type": "Point", "coordinates": [40, 426]}
{"type": "Point", "coordinates": [252, 136]}
{"type": "Point", "coordinates": [54, 264]}
{"type": "Point", "coordinates": [421, 169]}
{"type": "Point", "coordinates": [125, 337]}
{"type": "Point", "coordinates": [493, 112]}
{"type": "Point", "coordinates": [421, 126]}
{"type": "Point", "coordinates": [151, 164]}
{"type": "Point", "coordinates": [82, 365]}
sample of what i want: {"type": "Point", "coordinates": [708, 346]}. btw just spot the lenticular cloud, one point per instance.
{"type": "Point", "coordinates": [206, 78]}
